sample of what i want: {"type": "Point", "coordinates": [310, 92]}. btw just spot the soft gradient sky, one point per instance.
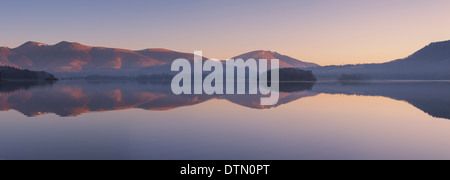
{"type": "Point", "coordinates": [321, 31]}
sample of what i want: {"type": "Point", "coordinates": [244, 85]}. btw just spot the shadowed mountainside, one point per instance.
{"type": "Point", "coordinates": [430, 63]}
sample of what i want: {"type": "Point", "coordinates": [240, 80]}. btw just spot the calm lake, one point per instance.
{"type": "Point", "coordinates": [131, 120]}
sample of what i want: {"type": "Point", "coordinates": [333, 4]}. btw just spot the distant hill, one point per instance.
{"type": "Point", "coordinates": [285, 61]}
{"type": "Point", "coordinates": [434, 52]}
{"type": "Point", "coordinates": [430, 63]}
{"type": "Point", "coordinates": [165, 56]}
{"type": "Point", "coordinates": [12, 73]}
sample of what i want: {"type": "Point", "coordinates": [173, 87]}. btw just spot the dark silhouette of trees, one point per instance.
{"type": "Point", "coordinates": [12, 73]}
{"type": "Point", "coordinates": [294, 75]}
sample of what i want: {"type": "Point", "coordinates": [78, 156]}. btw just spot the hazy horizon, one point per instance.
{"type": "Point", "coordinates": [324, 32]}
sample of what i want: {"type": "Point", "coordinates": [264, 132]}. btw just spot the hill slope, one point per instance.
{"type": "Point", "coordinates": [285, 61]}
{"type": "Point", "coordinates": [429, 63]}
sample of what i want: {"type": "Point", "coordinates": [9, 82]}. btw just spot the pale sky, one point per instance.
{"type": "Point", "coordinates": [321, 31]}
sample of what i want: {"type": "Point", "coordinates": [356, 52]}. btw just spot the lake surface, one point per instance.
{"type": "Point", "coordinates": [130, 120]}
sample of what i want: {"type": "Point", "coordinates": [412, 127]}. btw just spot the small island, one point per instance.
{"type": "Point", "coordinates": [294, 75]}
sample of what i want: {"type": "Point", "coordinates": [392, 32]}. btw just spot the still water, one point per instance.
{"type": "Point", "coordinates": [129, 120]}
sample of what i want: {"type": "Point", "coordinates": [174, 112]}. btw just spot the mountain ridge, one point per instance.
{"type": "Point", "coordinates": [73, 57]}
{"type": "Point", "coordinates": [285, 61]}
{"type": "Point", "coordinates": [430, 62]}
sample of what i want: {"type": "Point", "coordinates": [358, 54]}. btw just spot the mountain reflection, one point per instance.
{"type": "Point", "coordinates": [12, 86]}
{"type": "Point", "coordinates": [73, 98]}
{"type": "Point", "coordinates": [432, 97]}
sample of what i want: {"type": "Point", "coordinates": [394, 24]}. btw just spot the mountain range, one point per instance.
{"type": "Point", "coordinates": [75, 58]}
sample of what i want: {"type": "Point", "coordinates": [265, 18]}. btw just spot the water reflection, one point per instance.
{"type": "Point", "coordinates": [432, 97]}
{"type": "Point", "coordinates": [73, 98]}
{"type": "Point", "coordinates": [12, 86]}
